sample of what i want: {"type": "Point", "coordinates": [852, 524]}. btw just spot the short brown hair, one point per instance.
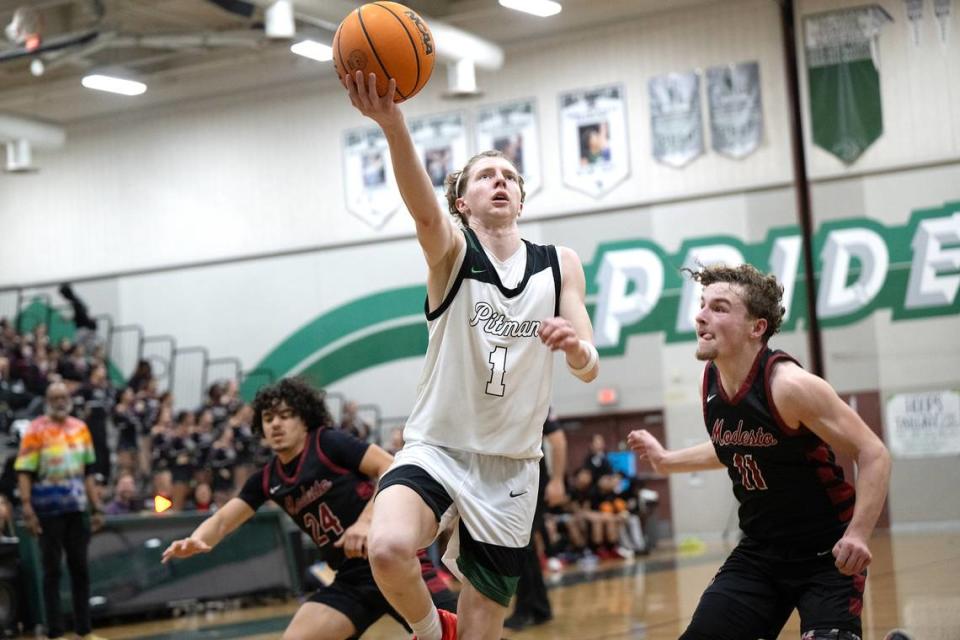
{"type": "Point", "coordinates": [762, 294]}
{"type": "Point", "coordinates": [456, 181]}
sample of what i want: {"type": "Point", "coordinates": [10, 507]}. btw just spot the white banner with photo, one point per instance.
{"type": "Point", "coordinates": [512, 129]}
{"type": "Point", "coordinates": [736, 111]}
{"type": "Point", "coordinates": [594, 148]}
{"type": "Point", "coordinates": [676, 120]}
{"type": "Point", "coordinates": [441, 143]}
{"type": "Point", "coordinates": [370, 186]}
{"type": "Point", "coordinates": [922, 425]}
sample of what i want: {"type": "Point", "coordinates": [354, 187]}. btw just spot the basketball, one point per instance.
{"type": "Point", "coordinates": [389, 40]}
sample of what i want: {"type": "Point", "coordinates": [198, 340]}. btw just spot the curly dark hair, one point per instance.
{"type": "Point", "coordinates": [456, 182]}
{"type": "Point", "coordinates": [761, 292]}
{"type": "Point", "coordinates": [305, 401]}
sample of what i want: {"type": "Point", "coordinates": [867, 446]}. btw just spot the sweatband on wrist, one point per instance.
{"type": "Point", "coordinates": [592, 360]}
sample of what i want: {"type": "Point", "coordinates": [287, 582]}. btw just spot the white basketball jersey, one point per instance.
{"type": "Point", "coordinates": [487, 378]}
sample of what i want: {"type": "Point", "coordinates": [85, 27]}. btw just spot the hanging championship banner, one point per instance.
{"type": "Point", "coordinates": [915, 18]}
{"type": "Point", "coordinates": [843, 73]}
{"type": "Point", "coordinates": [922, 425]}
{"type": "Point", "coordinates": [369, 184]}
{"type": "Point", "coordinates": [512, 129]}
{"type": "Point", "coordinates": [736, 111]}
{"type": "Point", "coordinates": [593, 139]}
{"type": "Point", "coordinates": [441, 143]}
{"type": "Point", "coordinates": [941, 9]}
{"type": "Point", "coordinates": [676, 121]}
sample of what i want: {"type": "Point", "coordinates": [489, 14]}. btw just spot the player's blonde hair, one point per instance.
{"type": "Point", "coordinates": [456, 182]}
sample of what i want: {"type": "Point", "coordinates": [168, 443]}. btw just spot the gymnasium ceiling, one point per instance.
{"type": "Point", "coordinates": [201, 49]}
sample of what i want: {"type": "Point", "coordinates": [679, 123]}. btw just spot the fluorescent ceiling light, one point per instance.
{"type": "Point", "coordinates": [113, 85]}
{"type": "Point", "coordinates": [313, 49]}
{"type": "Point", "coordinates": [542, 8]}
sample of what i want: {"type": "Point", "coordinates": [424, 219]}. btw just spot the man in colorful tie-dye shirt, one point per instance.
{"type": "Point", "coordinates": [54, 475]}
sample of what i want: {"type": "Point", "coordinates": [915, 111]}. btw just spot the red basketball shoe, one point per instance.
{"type": "Point", "coordinates": [448, 625]}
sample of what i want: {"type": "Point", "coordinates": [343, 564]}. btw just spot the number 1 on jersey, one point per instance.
{"type": "Point", "coordinates": [498, 368]}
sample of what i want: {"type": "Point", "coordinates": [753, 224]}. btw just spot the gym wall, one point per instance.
{"type": "Point", "coordinates": [261, 173]}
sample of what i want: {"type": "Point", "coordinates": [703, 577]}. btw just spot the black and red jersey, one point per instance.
{"type": "Point", "coordinates": [790, 489]}
{"type": "Point", "coordinates": [322, 489]}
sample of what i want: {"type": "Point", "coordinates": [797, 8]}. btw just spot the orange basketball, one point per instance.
{"type": "Point", "coordinates": [389, 40]}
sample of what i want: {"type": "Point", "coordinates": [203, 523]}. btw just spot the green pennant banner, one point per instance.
{"type": "Point", "coordinates": [844, 79]}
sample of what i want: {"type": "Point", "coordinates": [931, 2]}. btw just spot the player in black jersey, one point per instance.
{"type": "Point", "coordinates": [774, 427]}
{"type": "Point", "coordinates": [324, 479]}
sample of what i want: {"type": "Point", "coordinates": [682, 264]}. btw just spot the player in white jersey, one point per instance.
{"type": "Point", "coordinates": [497, 307]}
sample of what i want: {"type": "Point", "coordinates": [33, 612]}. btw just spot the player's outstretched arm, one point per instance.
{"type": "Point", "coordinates": [572, 332]}
{"type": "Point", "coordinates": [211, 531]}
{"type": "Point", "coordinates": [700, 457]}
{"type": "Point", "coordinates": [435, 230]}
{"type": "Point", "coordinates": [803, 398]}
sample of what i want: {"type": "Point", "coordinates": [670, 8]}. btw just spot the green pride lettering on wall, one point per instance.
{"type": "Point", "coordinates": [635, 286]}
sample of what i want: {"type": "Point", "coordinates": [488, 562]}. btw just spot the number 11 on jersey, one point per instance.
{"type": "Point", "coordinates": [498, 368]}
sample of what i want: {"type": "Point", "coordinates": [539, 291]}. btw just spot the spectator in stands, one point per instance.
{"type": "Point", "coordinates": [215, 403]}
{"type": "Point", "coordinates": [603, 527]}
{"type": "Point", "coordinates": [128, 423]}
{"type": "Point", "coordinates": [72, 362]}
{"type": "Point", "coordinates": [202, 499]}
{"type": "Point", "coordinates": [141, 376]}
{"type": "Point", "coordinates": [7, 395]}
{"type": "Point", "coordinates": [94, 402]}
{"type": "Point", "coordinates": [125, 499]}
{"type": "Point", "coordinates": [181, 458]}
{"type": "Point", "coordinates": [81, 316]}
{"type": "Point", "coordinates": [231, 396]}
{"type": "Point", "coordinates": [41, 336]}
{"type": "Point", "coordinates": [222, 460]}
{"type": "Point", "coordinates": [203, 435]}
{"type": "Point", "coordinates": [245, 443]}
{"type": "Point", "coordinates": [26, 367]}
{"type": "Point", "coordinates": [351, 422]}
{"type": "Point", "coordinates": [55, 479]}
{"type": "Point", "coordinates": [596, 461]}
{"type": "Point", "coordinates": [8, 336]}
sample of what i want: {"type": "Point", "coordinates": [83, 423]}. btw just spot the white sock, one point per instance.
{"type": "Point", "coordinates": [429, 628]}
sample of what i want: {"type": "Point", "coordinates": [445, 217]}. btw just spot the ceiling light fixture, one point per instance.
{"type": "Point", "coordinates": [313, 50]}
{"type": "Point", "coordinates": [542, 8]}
{"type": "Point", "coordinates": [113, 85]}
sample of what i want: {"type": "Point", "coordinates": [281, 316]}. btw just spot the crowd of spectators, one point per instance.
{"type": "Point", "coordinates": [144, 446]}
{"type": "Point", "coordinates": [606, 515]}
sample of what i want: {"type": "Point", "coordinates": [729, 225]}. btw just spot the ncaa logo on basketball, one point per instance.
{"type": "Point", "coordinates": [424, 32]}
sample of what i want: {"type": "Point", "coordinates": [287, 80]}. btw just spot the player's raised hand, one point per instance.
{"type": "Point", "coordinates": [354, 539]}
{"type": "Point", "coordinates": [558, 334]}
{"type": "Point", "coordinates": [184, 548]}
{"type": "Point", "coordinates": [363, 96]}
{"type": "Point", "coordinates": [643, 442]}
{"type": "Point", "coordinates": [852, 554]}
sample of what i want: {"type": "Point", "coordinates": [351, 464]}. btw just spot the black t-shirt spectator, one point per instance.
{"type": "Point", "coordinates": [598, 465]}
